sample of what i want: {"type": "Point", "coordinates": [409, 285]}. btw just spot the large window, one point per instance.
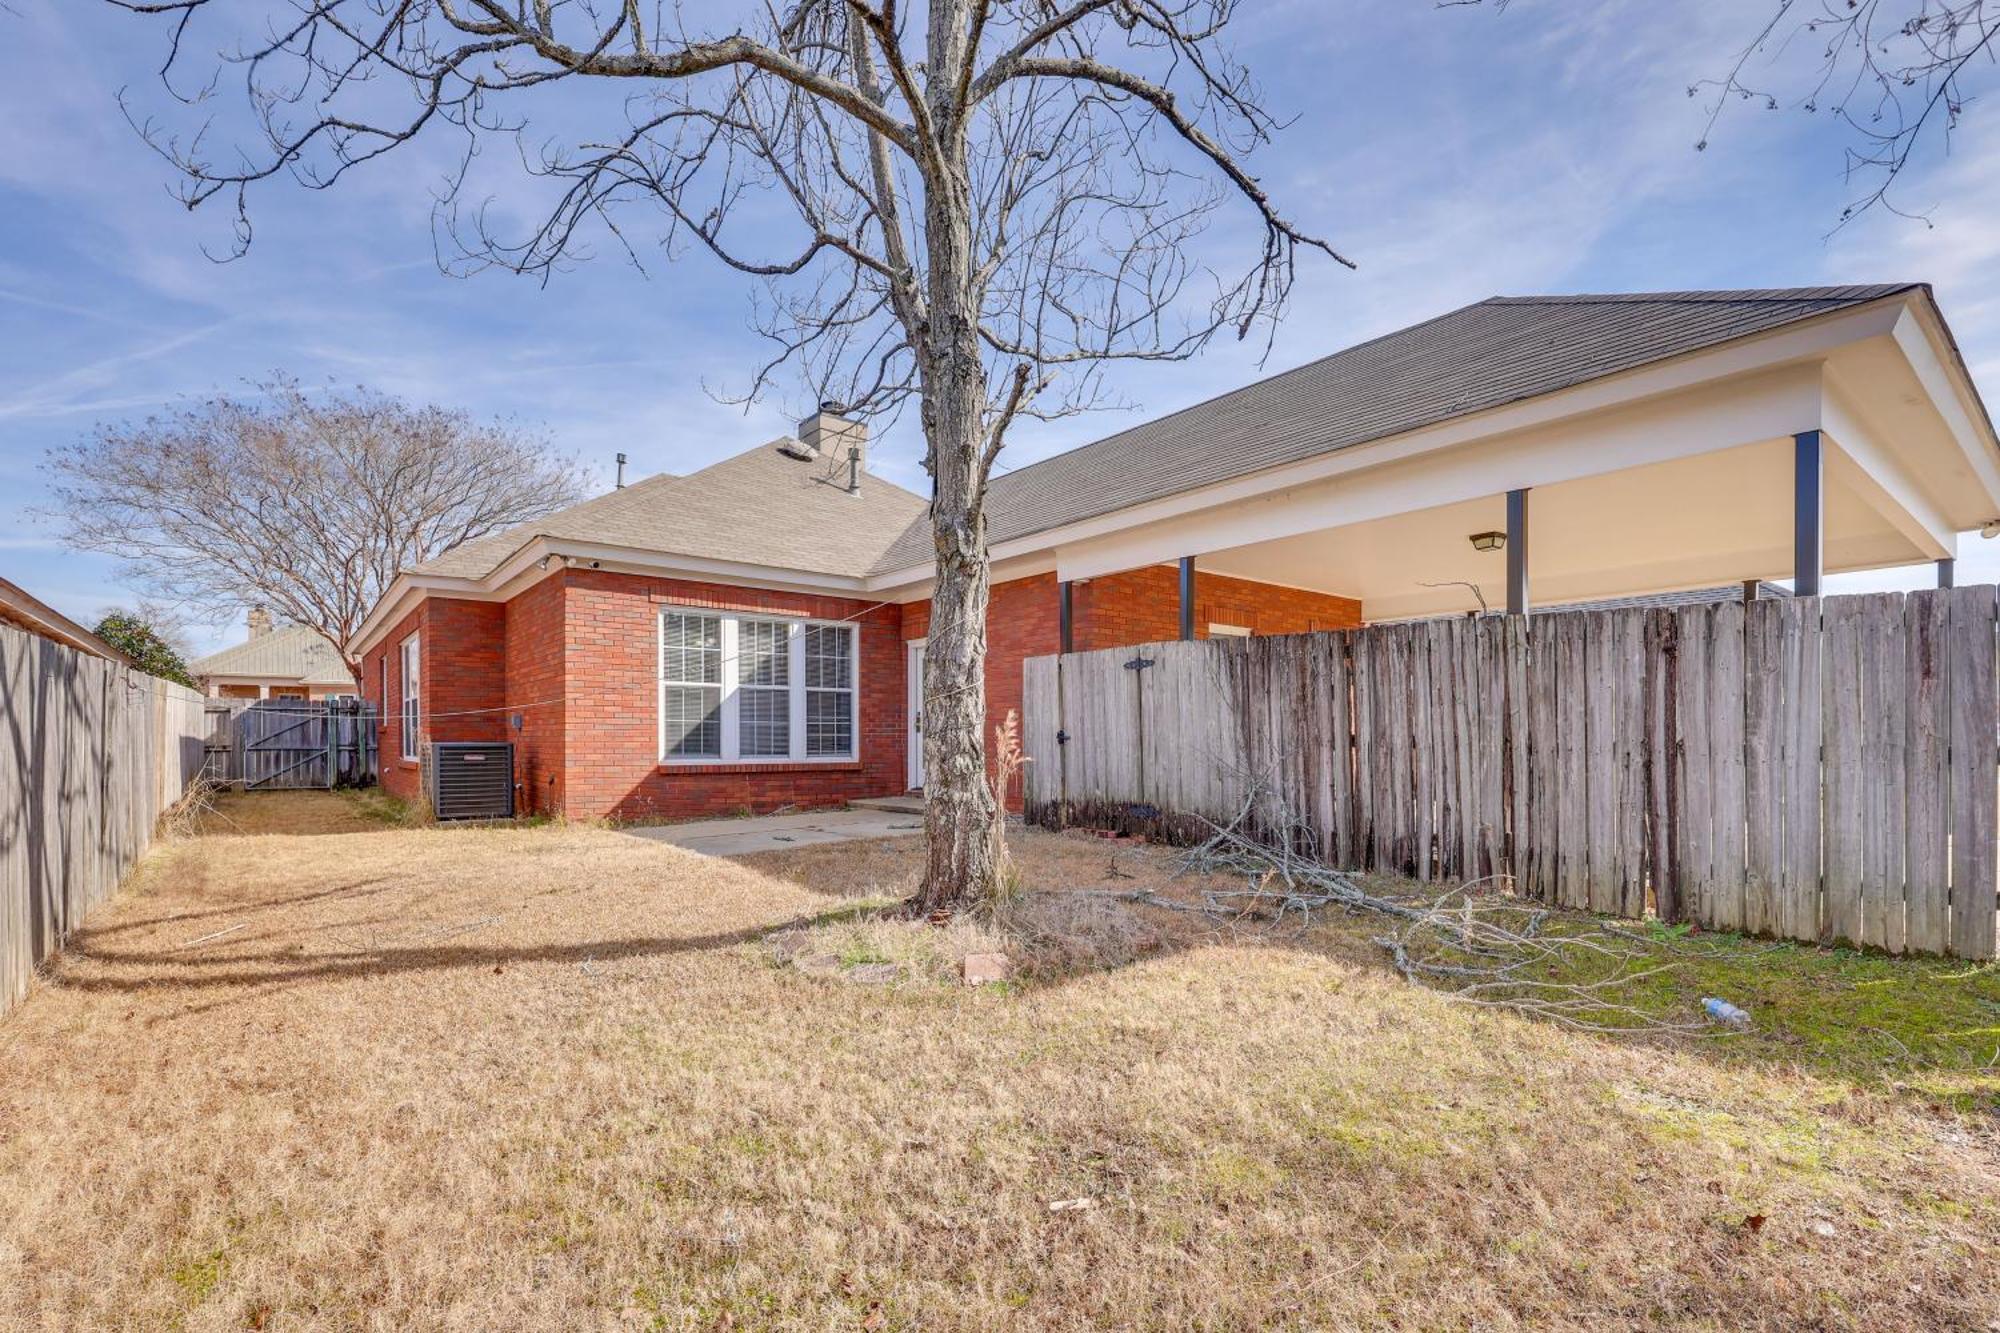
{"type": "Point", "coordinates": [748, 687]}
{"type": "Point", "coordinates": [411, 678]}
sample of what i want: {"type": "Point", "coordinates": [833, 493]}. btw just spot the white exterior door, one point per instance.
{"type": "Point", "coordinates": [915, 722]}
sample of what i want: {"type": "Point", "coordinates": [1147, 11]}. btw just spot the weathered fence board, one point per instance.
{"type": "Point", "coordinates": [1970, 622]}
{"type": "Point", "coordinates": [1845, 719]}
{"type": "Point", "coordinates": [1927, 809]}
{"type": "Point", "coordinates": [1818, 769]}
{"type": "Point", "coordinates": [90, 753]}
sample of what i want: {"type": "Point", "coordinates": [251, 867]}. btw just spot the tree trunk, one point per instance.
{"type": "Point", "coordinates": [960, 814]}
{"type": "Point", "coordinates": [961, 818]}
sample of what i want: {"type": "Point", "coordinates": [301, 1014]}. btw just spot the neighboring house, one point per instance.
{"type": "Point", "coordinates": [292, 662]}
{"type": "Point", "coordinates": [1753, 590]}
{"type": "Point", "coordinates": [23, 610]}
{"type": "Point", "coordinates": [749, 635]}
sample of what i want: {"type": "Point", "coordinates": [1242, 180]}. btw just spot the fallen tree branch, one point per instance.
{"type": "Point", "coordinates": [1475, 943]}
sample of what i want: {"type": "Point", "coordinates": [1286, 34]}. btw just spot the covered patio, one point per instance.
{"type": "Point", "coordinates": [1854, 441]}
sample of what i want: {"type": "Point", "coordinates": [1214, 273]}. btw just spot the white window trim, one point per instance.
{"type": "Point", "coordinates": [409, 666]}
{"type": "Point", "coordinates": [731, 750]}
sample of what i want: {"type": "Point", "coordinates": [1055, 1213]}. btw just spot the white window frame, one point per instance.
{"type": "Point", "coordinates": [795, 640]}
{"type": "Point", "coordinates": [409, 665]}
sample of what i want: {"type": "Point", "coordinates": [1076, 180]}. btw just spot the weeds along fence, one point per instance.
{"type": "Point", "coordinates": [1820, 768]}
{"type": "Point", "coordinates": [91, 752]}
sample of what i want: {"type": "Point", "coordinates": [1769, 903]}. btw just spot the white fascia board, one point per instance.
{"type": "Point", "coordinates": [1707, 418]}
{"type": "Point", "coordinates": [525, 568]}
{"type": "Point", "coordinates": [1921, 336]}
{"type": "Point", "coordinates": [914, 585]}
{"type": "Point", "coordinates": [404, 592]}
{"type": "Point", "coordinates": [1807, 341]}
{"type": "Point", "coordinates": [625, 560]}
{"type": "Point", "coordinates": [1861, 461]}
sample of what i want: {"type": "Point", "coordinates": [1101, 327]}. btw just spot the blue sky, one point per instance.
{"type": "Point", "coordinates": [1454, 153]}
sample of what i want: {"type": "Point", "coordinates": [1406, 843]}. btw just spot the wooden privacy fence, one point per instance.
{"type": "Point", "coordinates": [289, 744]}
{"type": "Point", "coordinates": [90, 753]}
{"type": "Point", "coordinates": [1822, 769]}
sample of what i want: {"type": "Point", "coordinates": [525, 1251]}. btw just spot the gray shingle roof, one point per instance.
{"type": "Point", "coordinates": [759, 507]}
{"type": "Point", "coordinates": [1483, 356]}
{"type": "Point", "coordinates": [763, 508]}
{"type": "Point", "coordinates": [293, 653]}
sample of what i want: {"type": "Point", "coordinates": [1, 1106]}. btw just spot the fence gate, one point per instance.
{"type": "Point", "coordinates": [218, 759]}
{"type": "Point", "coordinates": [291, 744]}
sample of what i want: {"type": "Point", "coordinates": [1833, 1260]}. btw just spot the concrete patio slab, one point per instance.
{"type": "Point", "coordinates": [774, 833]}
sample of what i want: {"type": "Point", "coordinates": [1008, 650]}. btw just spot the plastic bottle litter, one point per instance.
{"type": "Point", "coordinates": [1722, 1011]}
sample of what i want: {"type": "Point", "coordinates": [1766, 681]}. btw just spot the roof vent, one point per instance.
{"type": "Point", "coordinates": [793, 449]}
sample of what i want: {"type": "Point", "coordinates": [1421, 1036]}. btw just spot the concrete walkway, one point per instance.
{"type": "Point", "coordinates": [892, 817]}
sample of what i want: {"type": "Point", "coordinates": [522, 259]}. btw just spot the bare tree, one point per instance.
{"type": "Point", "coordinates": [306, 502]}
{"type": "Point", "coordinates": [1896, 74]}
{"type": "Point", "coordinates": [971, 205]}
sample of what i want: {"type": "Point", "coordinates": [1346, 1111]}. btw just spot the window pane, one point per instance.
{"type": "Point", "coordinates": [763, 722]}
{"type": "Point", "coordinates": [411, 693]}
{"type": "Point", "coordinates": [691, 648]}
{"type": "Point", "coordinates": [829, 722]}
{"type": "Point", "coordinates": [763, 655]}
{"type": "Point", "coordinates": [829, 656]}
{"type": "Point", "coordinates": [693, 716]}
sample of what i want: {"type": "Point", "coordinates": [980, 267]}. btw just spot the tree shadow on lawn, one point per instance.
{"type": "Point", "coordinates": [245, 975]}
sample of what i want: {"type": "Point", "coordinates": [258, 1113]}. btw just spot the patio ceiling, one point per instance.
{"type": "Point", "coordinates": [1686, 523]}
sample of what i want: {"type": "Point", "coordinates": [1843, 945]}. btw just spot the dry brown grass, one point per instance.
{"type": "Point", "coordinates": [551, 1078]}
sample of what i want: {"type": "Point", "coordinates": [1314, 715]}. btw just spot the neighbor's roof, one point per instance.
{"type": "Point", "coordinates": [1499, 351]}
{"type": "Point", "coordinates": [22, 608]}
{"type": "Point", "coordinates": [293, 653]}
{"type": "Point", "coordinates": [1728, 592]}
{"type": "Point", "coordinates": [757, 508]}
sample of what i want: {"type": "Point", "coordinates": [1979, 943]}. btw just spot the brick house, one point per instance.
{"type": "Point", "coordinates": [748, 635]}
{"type": "Point", "coordinates": [274, 662]}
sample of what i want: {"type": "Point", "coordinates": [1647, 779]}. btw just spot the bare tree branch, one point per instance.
{"type": "Point", "coordinates": [1896, 74]}
{"type": "Point", "coordinates": [306, 502]}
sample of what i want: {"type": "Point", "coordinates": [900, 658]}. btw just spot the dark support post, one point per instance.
{"type": "Point", "coordinates": [1750, 590]}
{"type": "Point", "coordinates": [1187, 598]}
{"type": "Point", "coordinates": [1517, 552]}
{"type": "Point", "coordinates": [1947, 572]}
{"type": "Point", "coordinates": [1066, 619]}
{"type": "Point", "coordinates": [1808, 513]}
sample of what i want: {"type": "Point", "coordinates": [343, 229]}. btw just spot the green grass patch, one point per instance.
{"type": "Point", "coordinates": [1929, 1025]}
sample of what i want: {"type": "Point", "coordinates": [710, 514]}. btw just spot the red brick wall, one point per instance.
{"type": "Point", "coordinates": [461, 655]}
{"type": "Point", "coordinates": [612, 737]}
{"type": "Point", "coordinates": [398, 778]}
{"type": "Point", "coordinates": [537, 683]}
{"type": "Point", "coordinates": [1144, 606]}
